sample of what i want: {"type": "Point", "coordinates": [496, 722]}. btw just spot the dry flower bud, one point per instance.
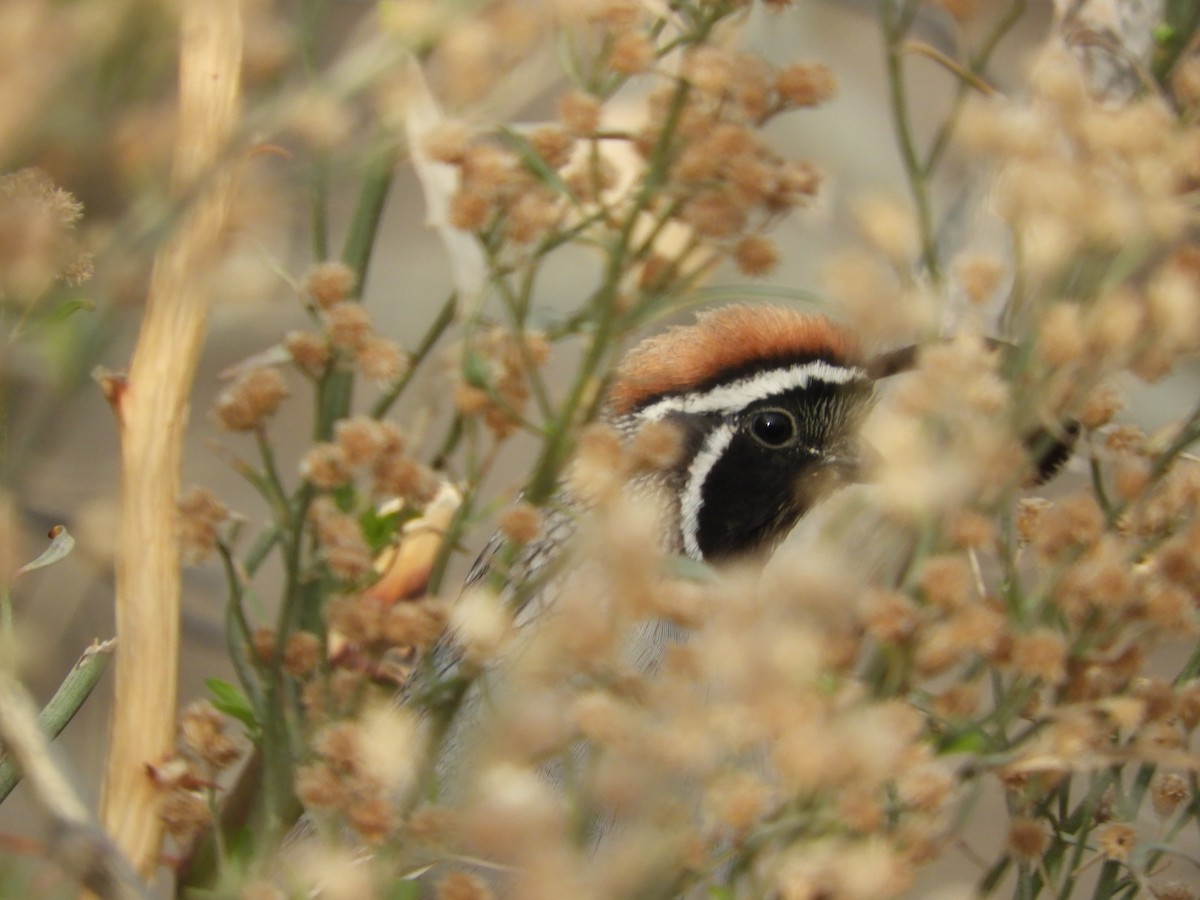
{"type": "Point", "coordinates": [203, 731]}
{"type": "Point", "coordinates": [531, 215]}
{"type": "Point", "coordinates": [200, 518]}
{"type": "Point", "coordinates": [579, 112]}
{"type": "Point", "coordinates": [461, 886]}
{"type": "Point", "coordinates": [358, 618]}
{"type": "Point", "coordinates": [470, 400]}
{"type": "Point", "coordinates": [329, 283]}
{"type": "Point", "coordinates": [1114, 325]}
{"type": "Point", "coordinates": [979, 276]}
{"type": "Point", "coordinates": [710, 69]}
{"type": "Point", "coordinates": [599, 459]}
{"type": "Point", "coordinates": [1041, 654]}
{"type": "Point", "coordinates": [1028, 838]}
{"type": "Point", "coordinates": [889, 226]}
{"type": "Point", "coordinates": [1099, 408]}
{"type": "Point", "coordinates": [341, 745]}
{"type": "Point", "coordinates": [739, 801]}
{"type": "Point", "coordinates": [971, 530]}
{"type": "Point", "coordinates": [349, 560]}
{"type": "Point", "coordinates": [302, 653]}
{"type": "Point", "coordinates": [348, 325]}
{"type": "Point", "coordinates": [890, 616]}
{"type": "Point", "coordinates": [1188, 705]}
{"type": "Point", "coordinates": [362, 440]}
{"type": "Point", "coordinates": [447, 142]}
{"type": "Point", "coordinates": [250, 400]}
{"type": "Point", "coordinates": [372, 818]}
{"type": "Point", "coordinates": [310, 351]}
{"type": "Point", "coordinates": [172, 773]}
{"type": "Point", "coordinates": [262, 645]}
{"type": "Point", "coordinates": [1168, 792]}
{"type": "Point", "coordinates": [415, 624]}
{"type": "Point", "coordinates": [492, 171]}
{"type": "Point", "coordinates": [318, 787]}
{"type": "Point", "coordinates": [1130, 478]}
{"type": "Point", "coordinates": [325, 466]}
{"type": "Point", "coordinates": [1061, 336]}
{"type": "Point", "coordinates": [1172, 890]}
{"type": "Point", "coordinates": [553, 144]}
{"type": "Point", "coordinates": [1158, 696]}
{"type": "Point", "coordinates": [714, 214]}
{"type": "Point", "coordinates": [756, 255]}
{"type": "Point", "coordinates": [946, 581]}
{"type": "Point", "coordinates": [380, 359]}
{"type": "Point", "coordinates": [959, 701]}
{"type": "Point", "coordinates": [1126, 439]}
{"type": "Point", "coordinates": [469, 211]}
{"type": "Point", "coordinates": [1185, 82]}
{"type": "Point", "coordinates": [401, 476]}
{"type": "Point", "coordinates": [520, 523]}
{"type": "Point", "coordinates": [805, 84]}
{"type": "Point", "coordinates": [482, 624]}
{"type": "Point", "coordinates": [1116, 841]}
{"type": "Point", "coordinates": [1031, 516]}
{"type": "Point", "coordinates": [185, 814]}
{"type": "Point", "coordinates": [632, 53]}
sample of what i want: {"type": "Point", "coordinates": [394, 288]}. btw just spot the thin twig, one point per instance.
{"type": "Point", "coordinates": [67, 700]}
{"type": "Point", "coordinates": [76, 842]}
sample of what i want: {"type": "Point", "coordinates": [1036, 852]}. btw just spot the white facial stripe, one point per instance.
{"type": "Point", "coordinates": [727, 398]}
{"type": "Point", "coordinates": [693, 498]}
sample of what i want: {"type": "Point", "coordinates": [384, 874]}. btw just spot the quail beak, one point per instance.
{"type": "Point", "coordinates": [852, 464]}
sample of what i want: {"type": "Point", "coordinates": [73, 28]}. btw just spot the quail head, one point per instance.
{"type": "Point", "coordinates": [766, 402]}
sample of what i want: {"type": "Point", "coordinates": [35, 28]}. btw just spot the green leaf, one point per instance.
{"type": "Point", "coordinates": [475, 371]}
{"type": "Point", "coordinates": [973, 741]}
{"type": "Point", "coordinates": [380, 528]}
{"type": "Point", "coordinates": [68, 308]}
{"type": "Point", "coordinates": [404, 889]}
{"type": "Point", "coordinates": [346, 498]}
{"type": "Point", "coordinates": [231, 701]}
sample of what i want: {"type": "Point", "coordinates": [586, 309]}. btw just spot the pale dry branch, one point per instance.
{"type": "Point", "coordinates": [153, 413]}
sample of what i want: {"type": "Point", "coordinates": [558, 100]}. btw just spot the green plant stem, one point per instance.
{"type": "Point", "coordinates": [272, 483]}
{"type": "Point", "coordinates": [1106, 884]}
{"type": "Point", "coordinates": [336, 395]}
{"type": "Point", "coordinates": [312, 18]}
{"type": "Point", "coordinates": [976, 65]}
{"type": "Point", "coordinates": [6, 619]}
{"type": "Point", "coordinates": [441, 322]}
{"type": "Point", "coordinates": [558, 442]}
{"type": "Point", "coordinates": [67, 700]}
{"type": "Point", "coordinates": [896, 23]}
{"type": "Point", "coordinates": [238, 634]}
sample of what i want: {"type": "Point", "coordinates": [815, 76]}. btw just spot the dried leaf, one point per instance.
{"type": "Point", "coordinates": [61, 543]}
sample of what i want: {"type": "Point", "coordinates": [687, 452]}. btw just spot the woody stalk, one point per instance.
{"type": "Point", "coordinates": [152, 411]}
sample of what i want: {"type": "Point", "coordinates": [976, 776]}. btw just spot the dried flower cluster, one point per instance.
{"type": "Point", "coordinates": [38, 244]}
{"type": "Point", "coordinates": [189, 779]}
{"type": "Point", "coordinates": [346, 332]}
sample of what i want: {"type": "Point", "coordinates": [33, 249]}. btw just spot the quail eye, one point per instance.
{"type": "Point", "coordinates": [773, 428]}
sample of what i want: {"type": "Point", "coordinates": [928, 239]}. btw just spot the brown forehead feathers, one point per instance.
{"type": "Point", "coordinates": [725, 340]}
